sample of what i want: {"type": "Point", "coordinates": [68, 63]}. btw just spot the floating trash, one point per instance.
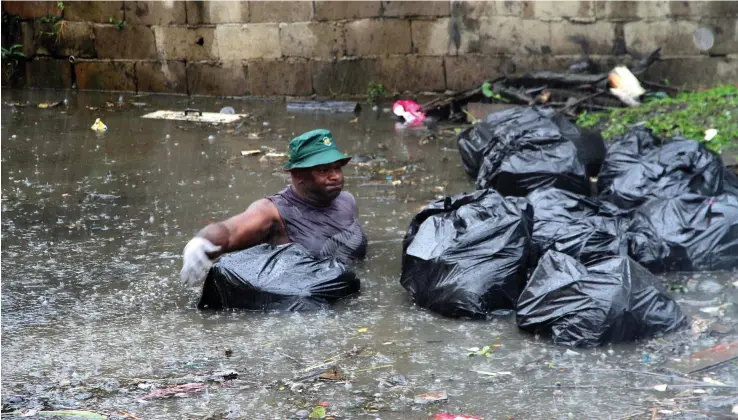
{"type": "Point", "coordinates": [99, 126]}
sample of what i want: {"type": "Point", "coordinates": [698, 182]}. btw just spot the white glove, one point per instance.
{"type": "Point", "coordinates": [196, 262]}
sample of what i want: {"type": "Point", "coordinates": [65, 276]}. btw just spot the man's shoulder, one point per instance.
{"type": "Point", "coordinates": [348, 198]}
{"type": "Point", "coordinates": [266, 207]}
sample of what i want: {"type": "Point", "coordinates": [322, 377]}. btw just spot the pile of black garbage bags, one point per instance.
{"type": "Point", "coordinates": [575, 260]}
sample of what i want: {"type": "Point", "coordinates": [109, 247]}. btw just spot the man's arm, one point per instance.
{"type": "Point", "coordinates": [244, 230]}
{"type": "Point", "coordinates": [247, 229]}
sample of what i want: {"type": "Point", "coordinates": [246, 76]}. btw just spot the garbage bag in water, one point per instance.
{"type": "Point", "coordinates": [640, 166]}
{"type": "Point", "coordinates": [579, 226]}
{"type": "Point", "coordinates": [614, 300]}
{"type": "Point", "coordinates": [284, 277]}
{"type": "Point", "coordinates": [474, 141]}
{"type": "Point", "coordinates": [588, 229]}
{"type": "Point", "coordinates": [530, 149]}
{"type": "Point", "coordinates": [466, 256]}
{"type": "Point", "coordinates": [700, 232]}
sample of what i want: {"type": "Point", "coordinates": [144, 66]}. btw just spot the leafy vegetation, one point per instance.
{"type": "Point", "coordinates": [375, 91]}
{"type": "Point", "coordinates": [688, 114]}
{"type": "Point", "coordinates": [119, 24]}
{"type": "Point", "coordinates": [13, 52]}
{"type": "Point", "coordinates": [488, 92]}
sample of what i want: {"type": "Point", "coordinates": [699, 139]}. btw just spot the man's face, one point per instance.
{"type": "Point", "coordinates": [322, 182]}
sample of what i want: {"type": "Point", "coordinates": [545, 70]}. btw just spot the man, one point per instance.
{"type": "Point", "coordinates": [312, 212]}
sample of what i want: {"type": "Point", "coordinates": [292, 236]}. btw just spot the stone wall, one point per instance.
{"type": "Point", "coordinates": [302, 48]}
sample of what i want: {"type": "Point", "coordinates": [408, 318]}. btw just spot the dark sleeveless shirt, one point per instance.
{"type": "Point", "coordinates": [331, 231]}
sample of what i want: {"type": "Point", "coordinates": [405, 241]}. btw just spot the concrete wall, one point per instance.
{"type": "Point", "coordinates": [335, 48]}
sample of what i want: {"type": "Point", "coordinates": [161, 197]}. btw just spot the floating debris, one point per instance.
{"type": "Point", "coordinates": [431, 397]}
{"type": "Point", "coordinates": [99, 127]}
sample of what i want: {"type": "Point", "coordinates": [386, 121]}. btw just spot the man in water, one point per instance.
{"type": "Point", "coordinates": [312, 212]}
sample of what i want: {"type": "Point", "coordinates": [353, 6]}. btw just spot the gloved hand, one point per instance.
{"type": "Point", "coordinates": [196, 262]}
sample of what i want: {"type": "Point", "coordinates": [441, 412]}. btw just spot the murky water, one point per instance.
{"type": "Point", "coordinates": [92, 305]}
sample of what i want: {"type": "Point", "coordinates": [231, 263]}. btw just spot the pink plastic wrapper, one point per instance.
{"type": "Point", "coordinates": [443, 416]}
{"type": "Point", "coordinates": [409, 110]}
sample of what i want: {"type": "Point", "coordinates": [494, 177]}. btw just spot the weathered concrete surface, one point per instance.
{"type": "Point", "coordinates": [32, 9]}
{"type": "Point", "coordinates": [416, 8]}
{"type": "Point", "coordinates": [48, 73]}
{"type": "Point", "coordinates": [250, 41]}
{"type": "Point", "coordinates": [322, 40]}
{"type": "Point", "coordinates": [344, 77]}
{"type": "Point", "coordinates": [674, 38]}
{"type": "Point", "coordinates": [478, 9]}
{"type": "Point", "coordinates": [370, 37]}
{"type": "Point", "coordinates": [61, 39]}
{"type": "Point", "coordinates": [412, 73]}
{"type": "Point", "coordinates": [509, 36]}
{"type": "Point", "coordinates": [432, 37]}
{"type": "Point", "coordinates": [582, 11]}
{"type": "Point", "coordinates": [726, 35]}
{"type": "Point", "coordinates": [93, 11]}
{"type": "Point", "coordinates": [29, 39]}
{"type": "Point", "coordinates": [598, 38]}
{"type": "Point", "coordinates": [161, 76]}
{"type": "Point", "coordinates": [351, 10]}
{"type": "Point", "coordinates": [105, 75]}
{"type": "Point", "coordinates": [280, 11]}
{"type": "Point", "coordinates": [213, 12]}
{"type": "Point", "coordinates": [472, 70]}
{"type": "Point", "coordinates": [227, 78]}
{"type": "Point", "coordinates": [340, 47]}
{"type": "Point", "coordinates": [155, 13]}
{"type": "Point", "coordinates": [282, 77]}
{"type": "Point", "coordinates": [133, 42]}
{"type": "Point", "coordinates": [186, 43]}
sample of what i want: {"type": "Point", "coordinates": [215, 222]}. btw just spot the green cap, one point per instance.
{"type": "Point", "coordinates": [312, 149]}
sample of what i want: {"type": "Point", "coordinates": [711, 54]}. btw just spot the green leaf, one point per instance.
{"type": "Point", "coordinates": [482, 352]}
{"type": "Point", "coordinates": [487, 89]}
{"type": "Point", "coordinates": [317, 413]}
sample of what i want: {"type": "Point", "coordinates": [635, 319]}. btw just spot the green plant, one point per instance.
{"type": "Point", "coordinates": [119, 24]}
{"type": "Point", "coordinates": [57, 29]}
{"type": "Point", "coordinates": [10, 58]}
{"type": "Point", "coordinates": [488, 92]}
{"type": "Point", "coordinates": [12, 52]}
{"type": "Point", "coordinates": [375, 91]}
{"type": "Point", "coordinates": [47, 19]}
{"type": "Point", "coordinates": [688, 114]}
{"type": "Point", "coordinates": [60, 5]}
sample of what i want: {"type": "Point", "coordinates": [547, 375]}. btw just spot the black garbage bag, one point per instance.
{"type": "Point", "coordinates": [466, 256]}
{"type": "Point", "coordinates": [587, 229]}
{"type": "Point", "coordinates": [285, 277]}
{"type": "Point", "coordinates": [474, 141]}
{"type": "Point", "coordinates": [701, 232]}
{"type": "Point", "coordinates": [640, 166]}
{"type": "Point", "coordinates": [613, 300]}
{"type": "Point", "coordinates": [534, 148]}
